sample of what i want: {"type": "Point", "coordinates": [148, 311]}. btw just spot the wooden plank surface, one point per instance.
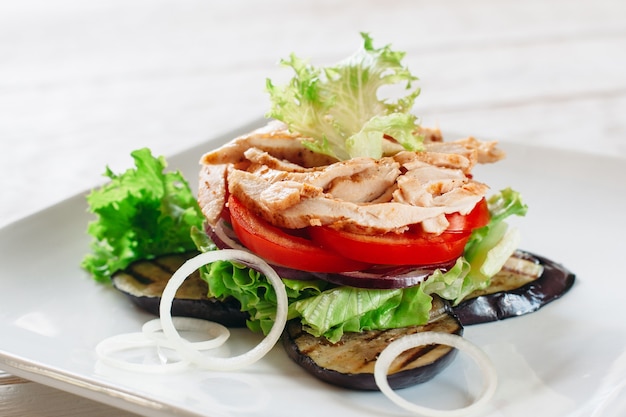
{"type": "Point", "coordinates": [21, 398]}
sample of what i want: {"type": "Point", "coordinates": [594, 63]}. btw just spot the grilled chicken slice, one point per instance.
{"type": "Point", "coordinates": [462, 160]}
{"type": "Point", "coordinates": [294, 205]}
{"type": "Point", "coordinates": [359, 180]}
{"type": "Point", "coordinates": [273, 138]}
{"type": "Point", "coordinates": [212, 191]}
{"type": "Point", "coordinates": [472, 149]}
{"type": "Point", "coordinates": [273, 174]}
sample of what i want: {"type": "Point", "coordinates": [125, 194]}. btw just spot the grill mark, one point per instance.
{"type": "Point", "coordinates": [314, 347]}
{"type": "Point", "coordinates": [135, 271]}
{"type": "Point", "coordinates": [166, 266]}
{"type": "Point", "coordinates": [522, 272]}
{"type": "Point", "coordinates": [360, 369]}
{"type": "Point", "coordinates": [142, 271]}
{"type": "Point", "coordinates": [374, 335]}
{"type": "Point", "coordinates": [414, 355]}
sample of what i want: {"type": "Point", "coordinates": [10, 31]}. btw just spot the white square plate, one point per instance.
{"type": "Point", "coordinates": [567, 359]}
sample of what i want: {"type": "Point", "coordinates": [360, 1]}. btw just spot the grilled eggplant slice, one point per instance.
{"type": "Point", "coordinates": [526, 283]}
{"type": "Point", "coordinates": [144, 281]}
{"type": "Point", "coordinates": [350, 362]}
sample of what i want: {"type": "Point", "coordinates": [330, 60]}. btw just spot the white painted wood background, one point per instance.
{"type": "Point", "coordinates": [84, 83]}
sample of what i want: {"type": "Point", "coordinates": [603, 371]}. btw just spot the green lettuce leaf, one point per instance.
{"type": "Point", "coordinates": [253, 291]}
{"type": "Point", "coordinates": [349, 309]}
{"type": "Point", "coordinates": [339, 107]}
{"type": "Point", "coordinates": [328, 310]}
{"type": "Point", "coordinates": [141, 213]}
{"type": "Point", "coordinates": [490, 246]}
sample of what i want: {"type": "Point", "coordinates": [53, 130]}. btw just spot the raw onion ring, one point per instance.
{"type": "Point", "coordinates": [398, 346]}
{"type": "Point", "coordinates": [219, 332]}
{"type": "Point", "coordinates": [185, 348]}
{"type": "Point", "coordinates": [127, 341]}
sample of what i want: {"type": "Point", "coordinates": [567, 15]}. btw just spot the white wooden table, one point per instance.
{"type": "Point", "coordinates": [84, 83]}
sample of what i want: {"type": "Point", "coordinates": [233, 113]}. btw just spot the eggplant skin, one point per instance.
{"type": "Point", "coordinates": [555, 280]}
{"type": "Point", "coordinates": [143, 283]}
{"type": "Point", "coordinates": [350, 362]}
{"type": "Point", "coordinates": [225, 313]}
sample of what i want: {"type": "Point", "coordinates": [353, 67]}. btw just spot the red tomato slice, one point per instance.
{"type": "Point", "coordinates": [278, 247]}
{"type": "Point", "coordinates": [478, 217]}
{"type": "Point", "coordinates": [409, 248]}
{"type": "Point", "coordinates": [393, 249]}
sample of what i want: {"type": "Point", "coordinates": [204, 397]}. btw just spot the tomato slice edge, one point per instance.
{"type": "Point", "coordinates": [330, 250]}
{"type": "Point", "coordinates": [478, 217]}
{"type": "Point", "coordinates": [409, 248]}
{"type": "Point", "coordinates": [278, 247]}
{"type": "Point", "coordinates": [392, 249]}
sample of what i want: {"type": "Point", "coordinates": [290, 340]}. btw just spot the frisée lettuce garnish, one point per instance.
{"type": "Point", "coordinates": [340, 107]}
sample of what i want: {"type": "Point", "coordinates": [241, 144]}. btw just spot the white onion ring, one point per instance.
{"type": "Point", "coordinates": [126, 341]}
{"type": "Point", "coordinates": [185, 348]}
{"type": "Point", "coordinates": [219, 332]}
{"type": "Point", "coordinates": [398, 346]}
